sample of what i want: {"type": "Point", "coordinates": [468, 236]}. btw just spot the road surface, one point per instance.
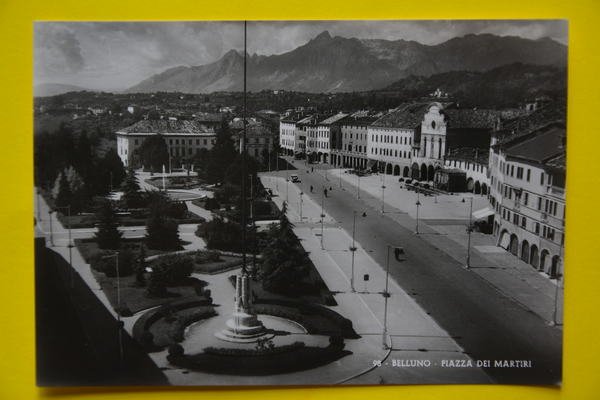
{"type": "Point", "coordinates": [487, 324]}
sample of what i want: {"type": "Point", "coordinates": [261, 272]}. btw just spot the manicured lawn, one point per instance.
{"type": "Point", "coordinates": [89, 248]}
{"type": "Point", "coordinates": [177, 182]}
{"type": "Point", "coordinates": [134, 297]}
{"type": "Point", "coordinates": [224, 263]}
{"type": "Point", "coordinates": [89, 220]}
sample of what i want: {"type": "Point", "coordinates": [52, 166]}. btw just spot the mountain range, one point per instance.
{"type": "Point", "coordinates": [53, 89]}
{"type": "Point", "coordinates": [338, 64]}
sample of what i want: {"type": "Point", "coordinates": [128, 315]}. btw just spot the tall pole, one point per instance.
{"type": "Point", "coordinates": [301, 193]}
{"type": "Point", "coordinates": [243, 149]}
{"type": "Point", "coordinates": [385, 300]}
{"type": "Point", "coordinates": [341, 178]}
{"type": "Point", "coordinates": [383, 193]}
{"type": "Point", "coordinates": [418, 203]}
{"type": "Point", "coordinates": [353, 250]}
{"type": "Point", "coordinates": [70, 245]}
{"type": "Point", "coordinates": [253, 221]}
{"type": "Point", "coordinates": [287, 184]}
{"type": "Point", "coordinates": [469, 230]}
{"type": "Point", "coordinates": [322, 215]}
{"type": "Point", "coordinates": [358, 191]}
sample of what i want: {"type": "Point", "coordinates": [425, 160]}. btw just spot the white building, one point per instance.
{"type": "Point", "coordinates": [527, 177]}
{"type": "Point", "coordinates": [409, 137]}
{"type": "Point", "coordinates": [184, 139]}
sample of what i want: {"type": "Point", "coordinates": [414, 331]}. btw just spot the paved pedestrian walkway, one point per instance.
{"type": "Point", "coordinates": [413, 335]}
{"type": "Point", "coordinates": [440, 223]}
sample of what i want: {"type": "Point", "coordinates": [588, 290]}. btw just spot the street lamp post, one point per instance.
{"type": "Point", "coordinates": [322, 215]}
{"type": "Point", "coordinates": [418, 204]}
{"type": "Point", "coordinates": [469, 230]}
{"type": "Point", "coordinates": [386, 295]}
{"type": "Point", "coordinates": [341, 178]}
{"type": "Point", "coordinates": [383, 193]}
{"type": "Point", "coordinates": [301, 193]}
{"type": "Point", "coordinates": [287, 184]}
{"type": "Point", "coordinates": [353, 250]}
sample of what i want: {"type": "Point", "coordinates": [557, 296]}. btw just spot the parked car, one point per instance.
{"type": "Point", "coordinates": [295, 178]}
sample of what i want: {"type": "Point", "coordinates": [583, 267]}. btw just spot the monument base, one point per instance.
{"type": "Point", "coordinates": [243, 328]}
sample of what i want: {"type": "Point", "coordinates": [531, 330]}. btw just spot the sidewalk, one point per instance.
{"type": "Point", "coordinates": [441, 224]}
{"type": "Point", "coordinates": [297, 205]}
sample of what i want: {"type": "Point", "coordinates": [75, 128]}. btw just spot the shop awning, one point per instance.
{"type": "Point", "coordinates": [483, 213]}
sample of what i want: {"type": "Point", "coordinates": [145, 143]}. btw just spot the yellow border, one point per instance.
{"type": "Point", "coordinates": [581, 351]}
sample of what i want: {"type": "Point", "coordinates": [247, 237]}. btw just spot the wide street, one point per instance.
{"type": "Point", "coordinates": [487, 324]}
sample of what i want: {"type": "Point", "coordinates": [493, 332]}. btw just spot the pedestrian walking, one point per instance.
{"type": "Point", "coordinates": [311, 188]}
{"type": "Point", "coordinates": [325, 192]}
{"type": "Point", "coordinates": [364, 213]}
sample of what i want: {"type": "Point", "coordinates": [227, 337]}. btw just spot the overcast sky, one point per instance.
{"type": "Point", "coordinates": [117, 55]}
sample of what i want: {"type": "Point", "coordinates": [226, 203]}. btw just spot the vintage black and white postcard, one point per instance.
{"type": "Point", "coordinates": [300, 202]}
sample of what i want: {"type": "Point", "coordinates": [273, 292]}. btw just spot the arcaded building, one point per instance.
{"type": "Point", "coordinates": [527, 193]}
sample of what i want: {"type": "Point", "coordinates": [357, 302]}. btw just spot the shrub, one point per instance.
{"type": "Point", "coordinates": [169, 270]}
{"type": "Point", "coordinates": [176, 350]}
{"type": "Point", "coordinates": [106, 264]}
{"type": "Point", "coordinates": [147, 339]}
{"type": "Point", "coordinates": [336, 342]}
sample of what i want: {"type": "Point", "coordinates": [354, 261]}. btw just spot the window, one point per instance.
{"type": "Point", "coordinates": [512, 170]}
{"type": "Point", "coordinates": [528, 174]}
{"type": "Point", "coordinates": [519, 173]}
{"type": "Point", "coordinates": [539, 203]}
{"type": "Point", "coordinates": [526, 198]}
{"type": "Point", "coordinates": [542, 178]}
{"type": "Point", "coordinates": [537, 228]}
{"type": "Point", "coordinates": [516, 219]}
{"type": "Point", "coordinates": [523, 222]}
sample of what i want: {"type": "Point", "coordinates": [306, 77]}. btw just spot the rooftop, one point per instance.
{"type": "Point", "coordinates": [471, 118]}
{"type": "Point", "coordinates": [333, 119]}
{"type": "Point", "coordinates": [541, 146]}
{"type": "Point", "coordinates": [165, 126]}
{"type": "Point", "coordinates": [407, 115]}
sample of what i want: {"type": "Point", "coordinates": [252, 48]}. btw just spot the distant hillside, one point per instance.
{"type": "Point", "coordinates": [53, 89]}
{"type": "Point", "coordinates": [506, 85]}
{"type": "Point", "coordinates": [337, 64]}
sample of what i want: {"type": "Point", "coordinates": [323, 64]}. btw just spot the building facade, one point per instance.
{"type": "Point", "coordinates": [184, 139]}
{"type": "Point", "coordinates": [350, 149]}
{"type": "Point", "coordinates": [527, 193]}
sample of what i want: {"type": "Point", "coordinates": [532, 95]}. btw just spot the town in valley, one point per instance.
{"type": "Point", "coordinates": [326, 221]}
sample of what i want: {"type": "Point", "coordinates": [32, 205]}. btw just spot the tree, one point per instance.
{"type": "Point", "coordinates": [109, 173]}
{"type": "Point", "coordinates": [131, 190]}
{"type": "Point", "coordinates": [108, 235]}
{"type": "Point", "coordinates": [140, 269]}
{"type": "Point", "coordinates": [161, 231]}
{"type": "Point", "coordinates": [63, 195]}
{"type": "Point", "coordinates": [169, 270]}
{"type": "Point", "coordinates": [284, 261]}
{"type": "Point", "coordinates": [222, 155]}
{"type": "Point", "coordinates": [153, 153]}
